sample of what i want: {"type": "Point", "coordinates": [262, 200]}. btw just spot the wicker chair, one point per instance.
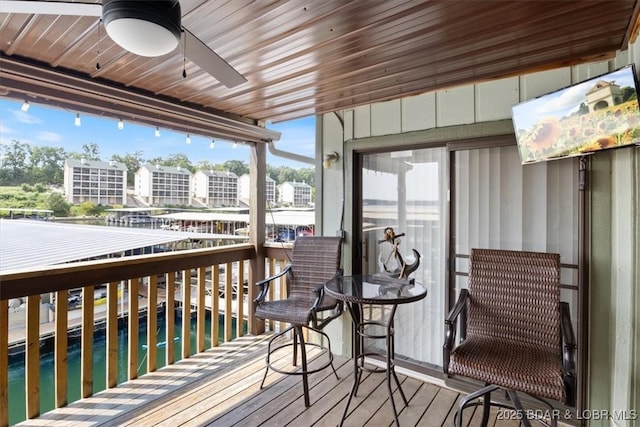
{"type": "Point", "coordinates": [515, 334]}
{"type": "Point", "coordinates": [315, 261]}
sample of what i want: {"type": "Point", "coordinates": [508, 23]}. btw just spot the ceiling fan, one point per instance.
{"type": "Point", "coordinates": [145, 28]}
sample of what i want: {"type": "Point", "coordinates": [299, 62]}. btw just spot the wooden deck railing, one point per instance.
{"type": "Point", "coordinates": [200, 268]}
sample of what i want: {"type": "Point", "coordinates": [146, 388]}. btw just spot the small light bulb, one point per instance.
{"type": "Point", "coordinates": [188, 140]}
{"type": "Point", "coordinates": [25, 106]}
{"type": "Point", "coordinates": [235, 144]}
{"type": "Point", "coordinates": [157, 132]}
{"type": "Point", "coordinates": [77, 121]}
{"type": "Point", "coordinates": [212, 144]}
{"type": "Point", "coordinates": [120, 124]}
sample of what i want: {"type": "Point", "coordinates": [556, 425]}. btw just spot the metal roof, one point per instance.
{"type": "Point", "coordinates": [95, 164]}
{"type": "Point", "coordinates": [292, 218]}
{"type": "Point", "coordinates": [29, 243]}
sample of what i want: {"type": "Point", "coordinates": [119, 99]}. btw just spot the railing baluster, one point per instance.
{"type": "Point", "coordinates": [112, 334]}
{"type": "Point", "coordinates": [272, 271]}
{"type": "Point", "coordinates": [152, 323]}
{"type": "Point", "coordinates": [134, 328]}
{"type": "Point", "coordinates": [215, 306]}
{"type": "Point", "coordinates": [228, 299]}
{"type": "Point", "coordinates": [4, 362]}
{"type": "Point", "coordinates": [86, 373]}
{"type": "Point", "coordinates": [240, 300]}
{"type": "Point", "coordinates": [32, 357]}
{"type": "Point", "coordinates": [170, 315]}
{"type": "Point", "coordinates": [186, 314]}
{"type": "Point", "coordinates": [61, 347]}
{"type": "Point", "coordinates": [201, 308]}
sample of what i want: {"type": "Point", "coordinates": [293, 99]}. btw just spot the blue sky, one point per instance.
{"type": "Point", "coordinates": [45, 126]}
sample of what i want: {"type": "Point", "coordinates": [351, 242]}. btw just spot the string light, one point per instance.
{"type": "Point", "coordinates": [77, 121]}
{"type": "Point", "coordinates": [157, 132]}
{"type": "Point", "coordinates": [188, 140]}
{"type": "Point", "coordinates": [235, 144]}
{"type": "Point", "coordinates": [120, 124]}
{"type": "Point", "coordinates": [25, 106]}
{"type": "Point", "coordinates": [212, 144]}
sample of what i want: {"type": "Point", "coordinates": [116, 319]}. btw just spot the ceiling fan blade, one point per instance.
{"type": "Point", "coordinates": [201, 55]}
{"type": "Point", "coordinates": [50, 8]}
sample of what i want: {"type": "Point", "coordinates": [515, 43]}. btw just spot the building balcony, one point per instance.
{"type": "Point", "coordinates": [218, 383]}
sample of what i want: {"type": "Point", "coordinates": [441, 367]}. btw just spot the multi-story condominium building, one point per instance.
{"type": "Point", "coordinates": [103, 183]}
{"type": "Point", "coordinates": [296, 193]}
{"type": "Point", "coordinates": [216, 188]}
{"type": "Point", "coordinates": [163, 185]}
{"type": "Point", "coordinates": [244, 188]}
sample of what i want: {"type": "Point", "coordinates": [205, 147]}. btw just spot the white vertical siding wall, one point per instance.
{"type": "Point", "coordinates": [615, 230]}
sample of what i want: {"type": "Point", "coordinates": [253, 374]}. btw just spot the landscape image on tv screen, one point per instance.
{"type": "Point", "coordinates": [597, 114]}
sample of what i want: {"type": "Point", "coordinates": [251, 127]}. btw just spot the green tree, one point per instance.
{"type": "Point", "coordinates": [89, 208]}
{"type": "Point", "coordinates": [272, 172]}
{"type": "Point", "coordinates": [90, 151]}
{"type": "Point", "coordinates": [14, 163]}
{"type": "Point", "coordinates": [206, 165]}
{"type": "Point", "coordinates": [286, 174]}
{"type": "Point", "coordinates": [46, 165]}
{"type": "Point", "coordinates": [307, 175]}
{"type": "Point", "coordinates": [178, 159]}
{"type": "Point", "coordinates": [156, 161]}
{"type": "Point", "coordinates": [236, 166]}
{"type": "Point", "coordinates": [57, 203]}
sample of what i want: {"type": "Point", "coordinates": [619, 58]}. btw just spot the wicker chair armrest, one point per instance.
{"type": "Point", "coordinates": [451, 326]}
{"type": "Point", "coordinates": [264, 284]}
{"type": "Point", "coordinates": [319, 291]}
{"type": "Point", "coordinates": [320, 323]}
{"type": "Point", "coordinates": [568, 352]}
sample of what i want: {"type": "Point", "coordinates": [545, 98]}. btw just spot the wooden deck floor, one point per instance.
{"type": "Point", "coordinates": [222, 388]}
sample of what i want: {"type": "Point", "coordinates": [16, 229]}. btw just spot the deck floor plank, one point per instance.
{"type": "Point", "coordinates": [221, 388]}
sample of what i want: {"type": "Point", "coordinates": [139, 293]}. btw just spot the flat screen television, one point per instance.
{"type": "Point", "coordinates": [597, 114]}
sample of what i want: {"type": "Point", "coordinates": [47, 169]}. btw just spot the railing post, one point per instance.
{"type": "Point", "coordinates": [257, 179]}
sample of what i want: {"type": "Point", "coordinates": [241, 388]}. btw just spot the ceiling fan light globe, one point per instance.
{"type": "Point", "coordinates": [144, 28]}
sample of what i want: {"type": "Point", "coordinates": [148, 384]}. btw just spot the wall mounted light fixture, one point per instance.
{"type": "Point", "coordinates": [330, 159]}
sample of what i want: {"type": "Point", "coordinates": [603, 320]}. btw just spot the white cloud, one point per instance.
{"type": "Point", "coordinates": [25, 118]}
{"type": "Point", "coordinates": [45, 136]}
{"type": "Point", "coordinates": [567, 99]}
{"type": "Point", "coordinates": [4, 129]}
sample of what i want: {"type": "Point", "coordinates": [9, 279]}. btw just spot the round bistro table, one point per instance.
{"type": "Point", "coordinates": [380, 290]}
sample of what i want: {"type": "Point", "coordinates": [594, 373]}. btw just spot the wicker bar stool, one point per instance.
{"type": "Point", "coordinates": [515, 334]}
{"type": "Point", "coordinates": [315, 261]}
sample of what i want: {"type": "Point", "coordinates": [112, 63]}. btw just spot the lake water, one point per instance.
{"type": "Point", "coordinates": [47, 391]}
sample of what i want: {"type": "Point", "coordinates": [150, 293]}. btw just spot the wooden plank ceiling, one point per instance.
{"type": "Point", "coordinates": [309, 57]}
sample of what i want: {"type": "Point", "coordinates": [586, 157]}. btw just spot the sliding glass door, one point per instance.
{"type": "Point", "coordinates": [407, 191]}
{"type": "Point", "coordinates": [445, 201]}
